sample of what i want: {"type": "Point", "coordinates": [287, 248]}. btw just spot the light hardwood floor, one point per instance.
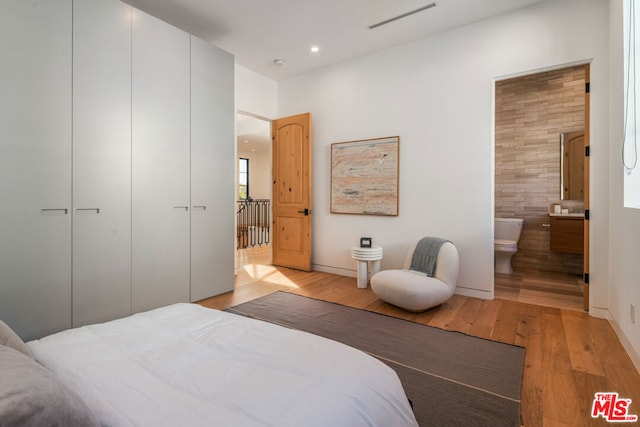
{"type": "Point", "coordinates": [569, 355]}
{"type": "Point", "coordinates": [557, 290]}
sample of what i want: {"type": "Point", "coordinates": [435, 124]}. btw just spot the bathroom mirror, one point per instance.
{"type": "Point", "coordinates": [572, 165]}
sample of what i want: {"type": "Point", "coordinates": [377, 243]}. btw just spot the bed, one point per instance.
{"type": "Point", "coordinates": [188, 365]}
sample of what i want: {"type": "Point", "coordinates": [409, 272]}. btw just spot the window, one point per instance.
{"type": "Point", "coordinates": [243, 179]}
{"type": "Point", "coordinates": [631, 108]}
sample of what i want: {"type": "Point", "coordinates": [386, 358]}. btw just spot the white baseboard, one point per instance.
{"type": "Point", "coordinates": [475, 293]}
{"type": "Point", "coordinates": [353, 273]}
{"type": "Point", "coordinates": [603, 313]}
{"type": "Point", "coordinates": [600, 313]}
{"type": "Point", "coordinates": [335, 270]}
{"type": "Point", "coordinates": [633, 354]}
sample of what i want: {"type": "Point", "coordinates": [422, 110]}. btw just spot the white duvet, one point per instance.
{"type": "Point", "coordinates": [186, 365]}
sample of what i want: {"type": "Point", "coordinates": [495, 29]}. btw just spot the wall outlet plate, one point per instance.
{"type": "Point", "coordinates": [632, 313]}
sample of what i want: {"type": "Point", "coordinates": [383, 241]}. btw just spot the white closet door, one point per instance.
{"type": "Point", "coordinates": [160, 163]}
{"type": "Point", "coordinates": [212, 170]}
{"type": "Point", "coordinates": [101, 161]}
{"type": "Point", "coordinates": [35, 166]}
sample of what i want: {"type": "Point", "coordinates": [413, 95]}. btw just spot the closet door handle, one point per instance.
{"type": "Point", "coordinates": [88, 210]}
{"type": "Point", "coordinates": [52, 210]}
{"type": "Point", "coordinates": [200, 207]}
{"type": "Point", "coordinates": [186, 208]}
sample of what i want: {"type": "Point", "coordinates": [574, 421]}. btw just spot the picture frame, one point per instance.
{"type": "Point", "coordinates": [365, 242]}
{"type": "Point", "coordinates": [365, 176]}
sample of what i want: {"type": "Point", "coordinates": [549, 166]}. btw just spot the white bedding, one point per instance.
{"type": "Point", "coordinates": [186, 365]}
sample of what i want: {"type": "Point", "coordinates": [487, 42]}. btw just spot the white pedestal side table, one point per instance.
{"type": "Point", "coordinates": [364, 256]}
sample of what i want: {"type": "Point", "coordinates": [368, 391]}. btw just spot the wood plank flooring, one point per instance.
{"type": "Point", "coordinates": [557, 290]}
{"type": "Point", "coordinates": [570, 356]}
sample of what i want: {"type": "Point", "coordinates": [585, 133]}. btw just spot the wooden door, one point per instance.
{"type": "Point", "coordinates": [587, 202]}
{"type": "Point", "coordinates": [292, 191]}
{"type": "Point", "coordinates": [573, 150]}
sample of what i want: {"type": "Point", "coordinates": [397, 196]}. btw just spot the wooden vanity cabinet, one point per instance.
{"type": "Point", "coordinates": [567, 234]}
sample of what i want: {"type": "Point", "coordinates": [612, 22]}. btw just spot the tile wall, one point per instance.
{"type": "Point", "coordinates": [531, 113]}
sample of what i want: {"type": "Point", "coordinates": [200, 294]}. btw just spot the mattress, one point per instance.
{"type": "Point", "coordinates": [188, 365]}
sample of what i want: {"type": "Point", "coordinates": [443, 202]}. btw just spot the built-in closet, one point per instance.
{"type": "Point", "coordinates": [116, 164]}
{"type": "Point", "coordinates": [101, 161]}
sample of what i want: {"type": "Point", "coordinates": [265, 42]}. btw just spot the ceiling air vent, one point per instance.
{"type": "Point", "coordinates": [404, 15]}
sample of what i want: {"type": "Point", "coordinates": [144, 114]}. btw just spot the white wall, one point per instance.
{"type": "Point", "coordinates": [625, 222]}
{"type": "Point", "coordinates": [255, 93]}
{"type": "Point", "coordinates": [437, 94]}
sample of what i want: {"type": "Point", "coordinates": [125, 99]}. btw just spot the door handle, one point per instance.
{"type": "Point", "coordinates": [306, 212]}
{"type": "Point", "coordinates": [199, 207]}
{"type": "Point", "coordinates": [186, 208]}
{"type": "Point", "coordinates": [96, 210]}
{"type": "Point", "coordinates": [51, 210]}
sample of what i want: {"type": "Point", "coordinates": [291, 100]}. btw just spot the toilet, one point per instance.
{"type": "Point", "coordinates": [507, 234]}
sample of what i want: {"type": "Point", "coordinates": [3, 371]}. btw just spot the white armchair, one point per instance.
{"type": "Point", "coordinates": [414, 290]}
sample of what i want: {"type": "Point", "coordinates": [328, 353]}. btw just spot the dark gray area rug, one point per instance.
{"type": "Point", "coordinates": [452, 379]}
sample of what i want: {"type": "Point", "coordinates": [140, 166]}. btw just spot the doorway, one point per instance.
{"type": "Point", "coordinates": [282, 221]}
{"type": "Point", "coordinates": [532, 112]}
{"type": "Point", "coordinates": [253, 189]}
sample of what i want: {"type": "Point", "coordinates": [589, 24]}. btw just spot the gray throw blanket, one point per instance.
{"type": "Point", "coordinates": [425, 255]}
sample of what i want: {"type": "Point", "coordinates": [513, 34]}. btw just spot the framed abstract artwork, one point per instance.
{"type": "Point", "coordinates": [365, 176]}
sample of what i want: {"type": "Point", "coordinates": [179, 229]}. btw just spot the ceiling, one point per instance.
{"type": "Point", "coordinates": [259, 31]}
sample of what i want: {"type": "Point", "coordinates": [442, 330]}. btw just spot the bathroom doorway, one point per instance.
{"type": "Point", "coordinates": [531, 113]}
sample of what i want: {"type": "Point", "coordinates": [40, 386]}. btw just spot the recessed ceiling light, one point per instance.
{"type": "Point", "coordinates": [314, 49]}
{"type": "Point", "coordinates": [278, 61]}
